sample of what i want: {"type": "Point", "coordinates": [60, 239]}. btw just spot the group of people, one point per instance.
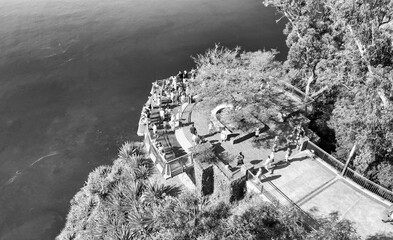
{"type": "Point", "coordinates": [295, 137]}
{"type": "Point", "coordinates": [175, 88]}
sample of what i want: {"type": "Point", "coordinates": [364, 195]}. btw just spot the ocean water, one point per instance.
{"type": "Point", "coordinates": [73, 77]}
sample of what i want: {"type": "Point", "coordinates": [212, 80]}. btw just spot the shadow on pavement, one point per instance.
{"type": "Point", "coordinates": [255, 162]}
{"type": "Point", "coordinates": [298, 159]}
{"type": "Point", "coordinates": [270, 178]}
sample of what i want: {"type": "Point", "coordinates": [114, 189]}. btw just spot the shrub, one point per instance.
{"type": "Point", "coordinates": [204, 153]}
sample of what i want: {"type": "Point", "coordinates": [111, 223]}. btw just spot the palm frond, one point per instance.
{"type": "Point", "coordinates": [155, 193]}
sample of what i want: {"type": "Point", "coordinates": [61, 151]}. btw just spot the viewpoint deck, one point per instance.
{"type": "Point", "coordinates": [306, 181]}
{"type": "Point", "coordinates": [309, 182]}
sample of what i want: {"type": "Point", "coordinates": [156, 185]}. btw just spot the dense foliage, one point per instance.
{"type": "Point", "coordinates": [116, 201]}
{"type": "Point", "coordinates": [119, 202]}
{"type": "Point", "coordinates": [340, 55]}
{"type": "Point", "coordinates": [343, 50]}
{"type": "Point", "coordinates": [248, 81]}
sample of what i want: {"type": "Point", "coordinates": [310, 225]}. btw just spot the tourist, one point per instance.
{"type": "Point", "coordinates": [178, 118]}
{"type": "Point", "coordinates": [172, 97]}
{"type": "Point", "coordinates": [167, 111]}
{"type": "Point", "coordinates": [298, 141]}
{"type": "Point", "coordinates": [154, 127]}
{"type": "Point", "coordinates": [269, 164]}
{"type": "Point", "coordinates": [174, 84]}
{"type": "Point", "coordinates": [162, 114]}
{"type": "Point", "coordinates": [185, 74]}
{"type": "Point", "coordinates": [164, 125]}
{"type": "Point", "coordinates": [240, 159]}
{"type": "Point", "coordinates": [183, 98]}
{"type": "Point", "coordinates": [272, 156]}
{"type": "Point", "coordinates": [194, 138]}
{"type": "Point", "coordinates": [274, 148]}
{"type": "Point", "coordinates": [160, 147]}
{"type": "Point", "coordinates": [159, 100]}
{"type": "Point", "coordinates": [211, 127]}
{"type": "Point", "coordinates": [193, 129]}
{"type": "Point", "coordinates": [172, 124]}
{"type": "Point", "coordinates": [287, 154]}
{"type": "Point", "coordinates": [257, 132]}
{"type": "Point", "coordinates": [224, 134]}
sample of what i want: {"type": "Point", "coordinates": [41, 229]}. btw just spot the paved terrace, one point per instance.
{"type": "Point", "coordinates": [311, 184]}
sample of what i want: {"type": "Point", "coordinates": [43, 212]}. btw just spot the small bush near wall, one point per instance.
{"type": "Point", "coordinates": [204, 153]}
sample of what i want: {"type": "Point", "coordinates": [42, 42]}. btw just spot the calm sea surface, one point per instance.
{"type": "Point", "coordinates": [73, 77]}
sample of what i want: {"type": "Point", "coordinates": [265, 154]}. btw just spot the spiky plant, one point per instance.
{"type": "Point", "coordinates": [155, 193]}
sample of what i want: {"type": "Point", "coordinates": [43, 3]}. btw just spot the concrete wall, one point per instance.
{"type": "Point", "coordinates": [214, 181]}
{"type": "Point", "coordinates": [204, 178]}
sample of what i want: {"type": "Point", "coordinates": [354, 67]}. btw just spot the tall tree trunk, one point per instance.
{"type": "Point", "coordinates": [362, 50]}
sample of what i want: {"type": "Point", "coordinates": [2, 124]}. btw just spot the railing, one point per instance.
{"type": "Point", "coordinates": [180, 164]}
{"type": "Point", "coordinates": [369, 185]}
{"type": "Point", "coordinates": [170, 168]}
{"type": "Point", "coordinates": [307, 219]}
{"type": "Point", "coordinates": [332, 161]}
{"type": "Point", "coordinates": [350, 173]}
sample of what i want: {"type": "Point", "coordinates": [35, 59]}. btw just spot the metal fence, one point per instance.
{"type": "Point", "coordinates": [307, 219]}
{"type": "Point", "coordinates": [350, 173]}
{"type": "Point", "coordinates": [332, 161]}
{"type": "Point", "coordinates": [369, 185]}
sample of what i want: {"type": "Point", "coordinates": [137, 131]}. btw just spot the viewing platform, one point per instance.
{"type": "Point", "coordinates": [312, 180]}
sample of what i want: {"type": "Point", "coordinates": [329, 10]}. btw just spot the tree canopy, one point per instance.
{"type": "Point", "coordinates": [250, 81]}
{"type": "Point", "coordinates": [346, 47]}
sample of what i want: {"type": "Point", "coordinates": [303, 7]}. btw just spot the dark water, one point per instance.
{"type": "Point", "coordinates": [73, 77]}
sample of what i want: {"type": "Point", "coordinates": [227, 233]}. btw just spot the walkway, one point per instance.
{"type": "Point", "coordinates": [310, 183]}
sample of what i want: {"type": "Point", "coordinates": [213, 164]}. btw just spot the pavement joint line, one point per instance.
{"type": "Point", "coordinates": [316, 191]}
{"type": "Point", "coordinates": [346, 211]}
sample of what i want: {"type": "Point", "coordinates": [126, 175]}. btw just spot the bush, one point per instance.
{"type": "Point", "coordinates": [204, 153]}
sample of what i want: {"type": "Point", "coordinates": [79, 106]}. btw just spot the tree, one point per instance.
{"type": "Point", "coordinates": [310, 41]}
{"type": "Point", "coordinates": [251, 82]}
{"type": "Point", "coordinates": [347, 45]}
